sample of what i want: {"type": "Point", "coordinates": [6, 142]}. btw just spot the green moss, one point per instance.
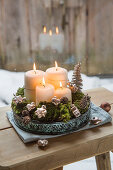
{"type": "Point", "coordinates": [62, 112]}
{"type": "Point", "coordinates": [77, 96]}
{"type": "Point", "coordinates": [16, 109]}
{"type": "Point", "coordinates": [56, 113]}
{"type": "Point", "coordinates": [20, 91]}
{"type": "Point", "coordinates": [65, 112]}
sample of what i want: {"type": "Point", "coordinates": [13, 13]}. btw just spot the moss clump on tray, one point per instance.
{"type": "Point", "coordinates": [62, 112]}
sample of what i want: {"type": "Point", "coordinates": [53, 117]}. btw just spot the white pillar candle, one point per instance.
{"type": "Point", "coordinates": [57, 42]}
{"type": "Point", "coordinates": [45, 39]}
{"type": "Point", "coordinates": [30, 95]}
{"type": "Point", "coordinates": [55, 75]}
{"type": "Point", "coordinates": [63, 92]}
{"type": "Point", "coordinates": [32, 78]}
{"type": "Point", "coordinates": [44, 93]}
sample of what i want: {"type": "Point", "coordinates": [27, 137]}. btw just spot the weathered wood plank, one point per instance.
{"type": "Point", "coordinates": [2, 34]}
{"type": "Point", "coordinates": [74, 3]}
{"type": "Point", "coordinates": [61, 151]}
{"type": "Point", "coordinates": [16, 32]}
{"type": "Point", "coordinates": [100, 36]}
{"type": "Point", "coordinates": [71, 13]}
{"type": "Point", "coordinates": [80, 37]}
{"type": "Point", "coordinates": [103, 161]}
{"type": "Point", "coordinates": [4, 123]}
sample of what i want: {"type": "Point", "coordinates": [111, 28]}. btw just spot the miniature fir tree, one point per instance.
{"type": "Point", "coordinates": [76, 78]}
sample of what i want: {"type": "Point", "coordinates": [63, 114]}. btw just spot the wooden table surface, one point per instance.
{"type": "Point", "coordinates": [14, 154]}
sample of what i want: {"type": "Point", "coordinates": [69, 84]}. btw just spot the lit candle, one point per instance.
{"type": "Point", "coordinates": [63, 92]}
{"type": "Point", "coordinates": [50, 32]}
{"type": "Point", "coordinates": [32, 78]}
{"type": "Point", "coordinates": [45, 92]}
{"type": "Point", "coordinates": [44, 39]}
{"type": "Point", "coordinates": [55, 75]}
{"type": "Point", "coordinates": [57, 42]}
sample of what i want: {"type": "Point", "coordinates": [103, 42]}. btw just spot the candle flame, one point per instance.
{"type": "Point", "coordinates": [44, 30]}
{"type": "Point", "coordinates": [43, 82]}
{"type": "Point", "coordinates": [60, 84]}
{"type": "Point", "coordinates": [50, 32]}
{"type": "Point", "coordinates": [34, 67]}
{"type": "Point", "coordinates": [57, 30]}
{"type": "Point", "coordinates": [56, 65]}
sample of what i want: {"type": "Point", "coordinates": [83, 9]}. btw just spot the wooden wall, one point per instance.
{"type": "Point", "coordinates": [87, 25]}
{"type": "Point", "coordinates": [95, 36]}
{"type": "Point", "coordinates": [101, 36]}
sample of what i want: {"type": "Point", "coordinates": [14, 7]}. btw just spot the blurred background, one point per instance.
{"type": "Point", "coordinates": [85, 29]}
{"type": "Point", "coordinates": [68, 31]}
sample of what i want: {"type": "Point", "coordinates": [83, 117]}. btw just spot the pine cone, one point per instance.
{"type": "Point", "coordinates": [84, 101]}
{"type": "Point", "coordinates": [25, 113]}
{"type": "Point", "coordinates": [64, 100]}
{"type": "Point", "coordinates": [26, 119]}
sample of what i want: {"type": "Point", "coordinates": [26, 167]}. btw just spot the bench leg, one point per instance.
{"type": "Point", "coordinates": [61, 168]}
{"type": "Point", "coordinates": [103, 161]}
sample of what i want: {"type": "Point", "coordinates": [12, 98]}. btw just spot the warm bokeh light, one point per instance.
{"type": "Point", "coordinates": [43, 82]}
{"type": "Point", "coordinates": [60, 84]}
{"type": "Point", "coordinates": [56, 65]}
{"type": "Point", "coordinates": [44, 30]}
{"type": "Point", "coordinates": [50, 32]}
{"type": "Point", "coordinates": [57, 30]}
{"type": "Point", "coordinates": [34, 67]}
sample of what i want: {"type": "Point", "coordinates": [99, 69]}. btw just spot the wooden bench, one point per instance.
{"type": "Point", "coordinates": [15, 155]}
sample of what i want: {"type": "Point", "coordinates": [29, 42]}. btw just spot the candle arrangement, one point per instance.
{"type": "Point", "coordinates": [48, 97]}
{"type": "Point", "coordinates": [53, 40]}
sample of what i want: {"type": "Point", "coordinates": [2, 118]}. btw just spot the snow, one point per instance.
{"type": "Point", "coordinates": [10, 81]}
{"type": "Point", "coordinates": [94, 82]}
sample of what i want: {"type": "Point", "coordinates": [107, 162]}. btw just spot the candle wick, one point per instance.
{"type": "Point", "coordinates": [43, 85]}
{"type": "Point", "coordinates": [56, 69]}
{"type": "Point", "coordinates": [35, 71]}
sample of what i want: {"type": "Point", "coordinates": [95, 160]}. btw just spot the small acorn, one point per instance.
{"type": "Point", "coordinates": [106, 106]}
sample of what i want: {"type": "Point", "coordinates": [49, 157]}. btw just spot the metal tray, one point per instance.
{"type": "Point", "coordinates": [55, 127]}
